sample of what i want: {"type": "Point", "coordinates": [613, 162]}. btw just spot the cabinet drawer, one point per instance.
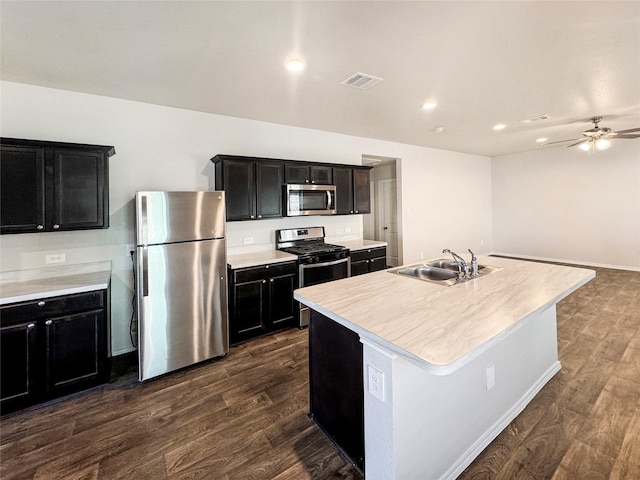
{"type": "Point", "coordinates": [46, 307]}
{"type": "Point", "coordinates": [251, 274]}
{"type": "Point", "coordinates": [368, 253]}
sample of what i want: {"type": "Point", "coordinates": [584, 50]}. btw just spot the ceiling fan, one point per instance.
{"type": "Point", "coordinates": [598, 138]}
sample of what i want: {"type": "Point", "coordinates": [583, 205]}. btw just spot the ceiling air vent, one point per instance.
{"type": "Point", "coordinates": [361, 81]}
{"type": "Point", "coordinates": [535, 119]}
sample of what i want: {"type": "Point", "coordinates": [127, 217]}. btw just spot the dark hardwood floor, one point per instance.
{"type": "Point", "coordinates": [245, 416]}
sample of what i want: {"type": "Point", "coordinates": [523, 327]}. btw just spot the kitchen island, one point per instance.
{"type": "Point", "coordinates": [442, 370]}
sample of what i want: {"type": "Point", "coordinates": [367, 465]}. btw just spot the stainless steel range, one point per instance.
{"type": "Point", "coordinates": [318, 262]}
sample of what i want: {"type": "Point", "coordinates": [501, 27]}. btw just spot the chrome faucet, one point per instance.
{"type": "Point", "coordinates": [463, 268]}
{"type": "Point", "coordinates": [474, 264]}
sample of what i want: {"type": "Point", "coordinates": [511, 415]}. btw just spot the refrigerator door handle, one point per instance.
{"type": "Point", "coordinates": [143, 220]}
{"type": "Point", "coordinates": [145, 271]}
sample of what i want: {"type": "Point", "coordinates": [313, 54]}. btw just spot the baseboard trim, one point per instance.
{"type": "Point", "coordinates": [562, 260]}
{"type": "Point", "coordinates": [470, 455]}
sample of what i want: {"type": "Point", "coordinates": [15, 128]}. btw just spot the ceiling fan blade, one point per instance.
{"type": "Point", "coordinates": [626, 135]}
{"type": "Point", "coordinates": [628, 130]}
{"type": "Point", "coordinates": [578, 143]}
{"type": "Point", "coordinates": [561, 141]}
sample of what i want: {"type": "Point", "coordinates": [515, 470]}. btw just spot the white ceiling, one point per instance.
{"type": "Point", "coordinates": [483, 62]}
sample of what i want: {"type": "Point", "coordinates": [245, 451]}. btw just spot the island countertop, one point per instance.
{"type": "Point", "coordinates": [442, 327]}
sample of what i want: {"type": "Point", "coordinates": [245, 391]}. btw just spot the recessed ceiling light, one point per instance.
{"type": "Point", "coordinates": [295, 65]}
{"type": "Point", "coordinates": [541, 140]}
{"type": "Point", "coordinates": [428, 105]}
{"type": "Point", "coordinates": [500, 126]}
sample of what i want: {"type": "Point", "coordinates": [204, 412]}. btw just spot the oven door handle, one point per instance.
{"type": "Point", "coordinates": [326, 264]}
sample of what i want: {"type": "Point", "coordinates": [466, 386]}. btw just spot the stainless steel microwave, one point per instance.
{"type": "Point", "coordinates": [310, 200]}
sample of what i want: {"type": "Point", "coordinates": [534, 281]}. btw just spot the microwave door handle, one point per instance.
{"type": "Point", "coordinates": [328, 200]}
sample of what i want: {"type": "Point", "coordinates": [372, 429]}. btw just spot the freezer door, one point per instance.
{"type": "Point", "coordinates": [168, 217]}
{"type": "Point", "coordinates": [182, 305]}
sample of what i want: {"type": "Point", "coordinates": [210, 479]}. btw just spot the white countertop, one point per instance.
{"type": "Point", "coordinates": [254, 259]}
{"type": "Point", "coordinates": [443, 327]}
{"type": "Point", "coordinates": [33, 284]}
{"type": "Point", "coordinates": [361, 244]}
{"type": "Point", "coordinates": [264, 257]}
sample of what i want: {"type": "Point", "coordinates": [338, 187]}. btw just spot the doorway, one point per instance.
{"type": "Point", "coordinates": [383, 222]}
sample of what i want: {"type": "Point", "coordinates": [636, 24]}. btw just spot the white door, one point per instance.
{"type": "Point", "coordinates": [388, 219]}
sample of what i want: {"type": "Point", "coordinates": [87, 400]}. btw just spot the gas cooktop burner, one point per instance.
{"type": "Point", "coordinates": [313, 248]}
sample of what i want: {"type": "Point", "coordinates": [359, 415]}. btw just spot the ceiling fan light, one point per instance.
{"type": "Point", "coordinates": [603, 144]}
{"type": "Point", "coordinates": [585, 147]}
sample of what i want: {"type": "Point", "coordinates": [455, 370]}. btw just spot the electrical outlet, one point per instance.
{"type": "Point", "coordinates": [56, 258]}
{"type": "Point", "coordinates": [491, 377]}
{"type": "Point", "coordinates": [375, 382]}
{"type": "Point", "coordinates": [247, 241]}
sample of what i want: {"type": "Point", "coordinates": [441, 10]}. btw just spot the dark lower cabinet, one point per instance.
{"type": "Point", "coordinates": [336, 385]}
{"type": "Point", "coordinates": [368, 260]}
{"type": "Point", "coordinates": [261, 300]}
{"type": "Point", "coordinates": [52, 347]}
{"type": "Point", "coordinates": [53, 186]}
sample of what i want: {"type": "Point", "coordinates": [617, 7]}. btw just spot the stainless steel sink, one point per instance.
{"type": "Point", "coordinates": [441, 272]}
{"type": "Point", "coordinates": [449, 265]}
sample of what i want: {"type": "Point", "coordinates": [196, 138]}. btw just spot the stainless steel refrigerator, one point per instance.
{"type": "Point", "coordinates": [181, 285]}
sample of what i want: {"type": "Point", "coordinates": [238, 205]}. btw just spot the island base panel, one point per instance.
{"type": "Point", "coordinates": [336, 385]}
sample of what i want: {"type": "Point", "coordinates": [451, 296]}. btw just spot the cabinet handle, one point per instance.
{"type": "Point", "coordinates": [30, 326]}
{"type": "Point", "coordinates": [253, 216]}
{"type": "Point", "coordinates": [306, 181]}
{"type": "Point", "coordinates": [48, 322]}
{"type": "Point", "coordinates": [56, 226]}
{"type": "Point", "coordinates": [41, 303]}
{"type": "Point", "coordinates": [264, 281]}
{"type": "Point", "coordinates": [350, 211]}
{"type": "Point", "coordinates": [267, 266]}
{"type": "Point", "coordinates": [40, 227]}
{"type": "Point", "coordinates": [356, 211]}
{"type": "Point", "coordinates": [271, 280]}
{"type": "Point", "coordinates": [259, 216]}
{"type": "Point", "coordinates": [313, 181]}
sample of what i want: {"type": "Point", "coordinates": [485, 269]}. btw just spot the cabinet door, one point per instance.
{"type": "Point", "coordinates": [80, 193]}
{"type": "Point", "coordinates": [336, 393]}
{"type": "Point", "coordinates": [379, 263]}
{"type": "Point", "coordinates": [22, 176]}
{"type": "Point", "coordinates": [343, 178]}
{"type": "Point", "coordinates": [239, 186]}
{"type": "Point", "coordinates": [320, 174]}
{"type": "Point", "coordinates": [18, 367]}
{"type": "Point", "coordinates": [75, 351]}
{"type": "Point", "coordinates": [269, 181]}
{"type": "Point", "coordinates": [296, 173]}
{"type": "Point", "coordinates": [248, 305]}
{"type": "Point", "coordinates": [359, 267]}
{"type": "Point", "coordinates": [361, 191]}
{"type": "Point", "coordinates": [281, 306]}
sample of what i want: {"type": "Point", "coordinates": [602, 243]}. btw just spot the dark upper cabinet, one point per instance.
{"type": "Point", "coordinates": [361, 190]}
{"type": "Point", "coordinates": [352, 190]}
{"type": "Point", "coordinates": [300, 172]}
{"type": "Point", "coordinates": [53, 186]}
{"type": "Point", "coordinates": [253, 186]}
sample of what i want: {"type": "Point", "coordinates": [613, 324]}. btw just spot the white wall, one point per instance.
{"type": "Point", "coordinates": [564, 204]}
{"type": "Point", "coordinates": [446, 195]}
